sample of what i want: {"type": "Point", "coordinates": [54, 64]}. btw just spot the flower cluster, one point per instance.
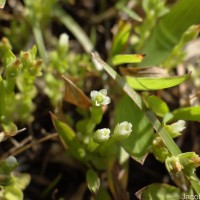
{"type": "Point", "coordinates": [121, 132]}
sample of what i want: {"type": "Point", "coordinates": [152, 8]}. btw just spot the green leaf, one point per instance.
{"type": "Point", "coordinates": [93, 181]}
{"type": "Point", "coordinates": [159, 192]}
{"type": "Point", "coordinates": [9, 58]}
{"type": "Point", "coordinates": [121, 38]}
{"type": "Point", "coordinates": [140, 140]}
{"type": "Point", "coordinates": [169, 31]}
{"type": "Point", "coordinates": [126, 58]}
{"type": "Point", "coordinates": [69, 137]}
{"type": "Point", "coordinates": [187, 113]}
{"type": "Point", "coordinates": [103, 194]}
{"type": "Point", "coordinates": [2, 3]}
{"type": "Point", "coordinates": [156, 104]}
{"type": "Point", "coordinates": [155, 83]}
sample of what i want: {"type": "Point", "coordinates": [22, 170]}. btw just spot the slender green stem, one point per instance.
{"type": "Point", "coordinates": [169, 142]}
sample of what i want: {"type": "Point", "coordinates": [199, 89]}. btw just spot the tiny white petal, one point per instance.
{"type": "Point", "coordinates": [103, 91]}
{"type": "Point", "coordinates": [178, 126]}
{"type": "Point", "coordinates": [106, 101]}
{"type": "Point", "coordinates": [94, 93]}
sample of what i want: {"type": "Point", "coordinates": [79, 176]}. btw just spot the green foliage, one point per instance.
{"type": "Point", "coordinates": [157, 105]}
{"type": "Point", "coordinates": [159, 128]}
{"type": "Point", "coordinates": [92, 180]}
{"type": "Point", "coordinates": [155, 83]}
{"type": "Point", "coordinates": [18, 73]}
{"type": "Point", "coordinates": [121, 38]}
{"type": "Point", "coordinates": [70, 139]}
{"type": "Point", "coordinates": [101, 137]}
{"type": "Point", "coordinates": [165, 35]}
{"type": "Point", "coordinates": [121, 59]}
{"type": "Point", "coordinates": [154, 9]}
{"type": "Point", "coordinates": [177, 55]}
{"type": "Point", "coordinates": [187, 113]}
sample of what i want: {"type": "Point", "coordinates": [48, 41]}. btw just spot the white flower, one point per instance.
{"type": "Point", "coordinates": [102, 135]}
{"type": "Point", "coordinates": [122, 130]}
{"type": "Point", "coordinates": [100, 98]}
{"type": "Point", "coordinates": [178, 126]}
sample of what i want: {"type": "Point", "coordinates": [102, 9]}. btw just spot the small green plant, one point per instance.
{"type": "Point", "coordinates": [17, 86]}
{"type": "Point", "coordinates": [128, 119]}
{"type": "Point", "coordinates": [97, 149]}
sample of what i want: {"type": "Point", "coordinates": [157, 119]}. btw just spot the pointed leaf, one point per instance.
{"type": "Point", "coordinates": [121, 37]}
{"type": "Point", "coordinates": [69, 137]}
{"type": "Point", "coordinates": [126, 58]}
{"type": "Point", "coordinates": [75, 95]}
{"type": "Point", "coordinates": [156, 104]}
{"type": "Point", "coordinates": [155, 83]}
{"type": "Point", "coordinates": [187, 113]}
{"type": "Point", "coordinates": [103, 194]}
{"type": "Point", "coordinates": [93, 181]}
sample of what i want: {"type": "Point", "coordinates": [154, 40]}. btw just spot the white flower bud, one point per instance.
{"type": "Point", "coordinates": [100, 98]}
{"type": "Point", "coordinates": [102, 135]}
{"type": "Point", "coordinates": [178, 126]}
{"type": "Point", "coordinates": [122, 130]}
{"type": "Point", "coordinates": [11, 161]}
{"type": "Point", "coordinates": [64, 40]}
